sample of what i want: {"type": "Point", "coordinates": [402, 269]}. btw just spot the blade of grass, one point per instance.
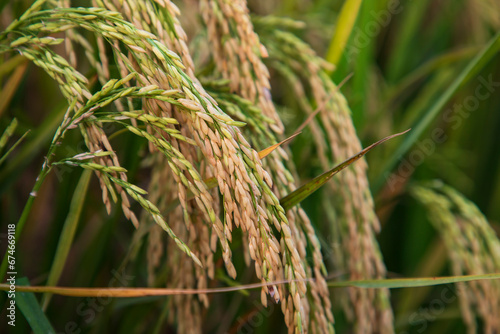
{"type": "Point", "coordinates": [13, 147]}
{"type": "Point", "coordinates": [403, 54]}
{"type": "Point", "coordinates": [360, 59]}
{"type": "Point", "coordinates": [343, 30]}
{"type": "Point", "coordinates": [67, 233]}
{"type": "Point", "coordinates": [9, 131]}
{"type": "Point", "coordinates": [297, 196]}
{"type": "Point", "coordinates": [11, 86]}
{"type": "Point", "coordinates": [427, 95]}
{"type": "Point", "coordinates": [472, 68]}
{"type": "Point", "coordinates": [31, 310]}
{"type": "Point", "coordinates": [392, 283]}
{"type": "Point", "coordinates": [397, 283]}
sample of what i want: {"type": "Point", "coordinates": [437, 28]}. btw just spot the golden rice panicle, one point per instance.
{"type": "Point", "coordinates": [176, 39]}
{"type": "Point", "coordinates": [241, 51]}
{"type": "Point", "coordinates": [261, 135]}
{"type": "Point", "coordinates": [182, 272]}
{"type": "Point", "coordinates": [187, 313]}
{"type": "Point", "coordinates": [72, 83]}
{"type": "Point", "coordinates": [285, 182]}
{"type": "Point", "coordinates": [473, 248]}
{"type": "Point", "coordinates": [225, 148]}
{"type": "Point", "coordinates": [317, 313]}
{"type": "Point", "coordinates": [357, 212]}
{"type": "Point", "coordinates": [353, 206]}
{"type": "Point", "coordinates": [146, 58]}
{"type": "Point", "coordinates": [238, 53]}
{"type": "Point", "coordinates": [96, 140]}
{"type": "Point", "coordinates": [320, 308]}
{"type": "Point", "coordinates": [204, 141]}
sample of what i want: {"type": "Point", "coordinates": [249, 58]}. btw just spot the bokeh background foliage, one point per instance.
{"type": "Point", "coordinates": [163, 87]}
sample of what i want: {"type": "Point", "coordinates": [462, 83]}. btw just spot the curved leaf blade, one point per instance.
{"type": "Point", "coordinates": [396, 283]}
{"type": "Point", "coordinates": [68, 233]}
{"type": "Point", "coordinates": [297, 196]}
{"type": "Point", "coordinates": [30, 308]}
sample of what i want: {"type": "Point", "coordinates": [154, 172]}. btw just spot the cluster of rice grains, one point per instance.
{"type": "Point", "coordinates": [473, 248]}
{"type": "Point", "coordinates": [353, 219]}
{"type": "Point", "coordinates": [237, 54]}
{"type": "Point", "coordinates": [244, 185]}
{"type": "Point", "coordinates": [193, 221]}
{"type": "Point", "coordinates": [191, 138]}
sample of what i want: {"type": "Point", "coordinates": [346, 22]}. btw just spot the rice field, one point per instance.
{"type": "Point", "coordinates": [249, 166]}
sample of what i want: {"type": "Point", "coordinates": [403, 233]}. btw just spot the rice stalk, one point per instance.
{"type": "Point", "coordinates": [160, 18]}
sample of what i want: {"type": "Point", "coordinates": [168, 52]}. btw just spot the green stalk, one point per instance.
{"type": "Point", "coordinates": [67, 234]}
{"type": "Point", "coordinates": [6, 155]}
{"type": "Point", "coordinates": [46, 168]}
{"type": "Point", "coordinates": [26, 211]}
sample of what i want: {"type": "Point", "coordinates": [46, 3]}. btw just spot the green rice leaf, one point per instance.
{"type": "Point", "coordinates": [297, 196]}
{"type": "Point", "coordinates": [395, 283]}
{"type": "Point", "coordinates": [68, 233]}
{"type": "Point", "coordinates": [31, 310]}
